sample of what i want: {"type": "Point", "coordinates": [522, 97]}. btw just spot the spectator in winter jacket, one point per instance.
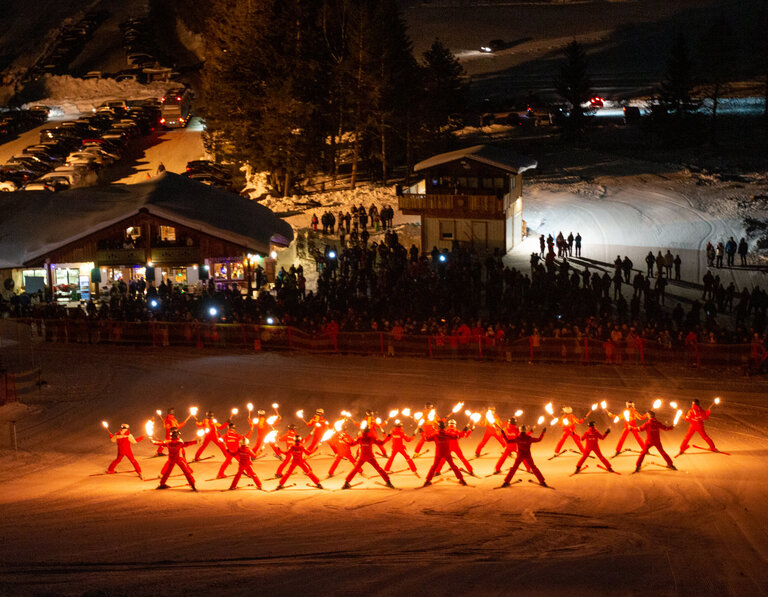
{"type": "Point", "coordinates": [743, 249]}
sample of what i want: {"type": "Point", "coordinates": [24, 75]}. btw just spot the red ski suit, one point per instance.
{"type": "Point", "coordinates": [524, 442]}
{"type": "Point", "coordinates": [631, 427]}
{"type": "Point", "coordinates": [652, 428]}
{"type": "Point", "coordinates": [491, 431]}
{"type": "Point", "coordinates": [399, 437]}
{"type": "Point", "coordinates": [169, 422]}
{"type": "Point", "coordinates": [296, 456]}
{"type": "Point", "coordinates": [696, 417]}
{"type": "Point", "coordinates": [590, 438]}
{"type": "Point", "coordinates": [124, 439]}
{"type": "Point", "coordinates": [511, 432]}
{"type": "Point", "coordinates": [427, 430]}
{"type": "Point", "coordinates": [366, 443]}
{"type": "Point", "coordinates": [569, 430]}
{"type": "Point", "coordinates": [231, 440]}
{"type": "Point", "coordinates": [375, 428]}
{"type": "Point", "coordinates": [175, 448]}
{"type": "Point", "coordinates": [262, 430]}
{"type": "Point", "coordinates": [456, 449]}
{"type": "Point", "coordinates": [211, 433]}
{"type": "Point", "coordinates": [319, 426]}
{"type": "Point", "coordinates": [341, 443]}
{"type": "Point", "coordinates": [289, 438]}
{"type": "Point", "coordinates": [244, 455]}
{"type": "Point", "coordinates": [442, 441]}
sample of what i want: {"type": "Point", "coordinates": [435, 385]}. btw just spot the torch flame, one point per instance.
{"type": "Point", "coordinates": [673, 404]}
{"type": "Point", "coordinates": [431, 415]}
{"type": "Point", "coordinates": [553, 421]}
{"type": "Point", "coordinates": [327, 435]}
{"type": "Point", "coordinates": [235, 411]}
{"type": "Point", "coordinates": [271, 420]}
{"type": "Point", "coordinates": [468, 412]}
{"type": "Point", "coordinates": [201, 432]}
{"type": "Point", "coordinates": [603, 405]}
{"type": "Point", "coordinates": [489, 416]}
{"type": "Point", "coordinates": [458, 407]}
{"type": "Point", "coordinates": [626, 415]}
{"type": "Point", "coordinates": [275, 405]}
{"type": "Point", "coordinates": [393, 413]}
{"type": "Point", "coordinates": [594, 406]}
{"type": "Point", "coordinates": [270, 437]}
{"type": "Point", "coordinates": [249, 406]}
{"type": "Point", "coordinates": [207, 430]}
{"type": "Point", "coordinates": [420, 422]}
{"type": "Point", "coordinates": [338, 424]}
{"type": "Point", "coordinates": [149, 427]}
{"type": "Point", "coordinates": [300, 413]}
{"type": "Point", "coordinates": [378, 420]}
{"type": "Point", "coordinates": [159, 414]}
{"type": "Point", "coordinates": [406, 412]}
{"type": "Point", "coordinates": [417, 416]}
{"type": "Point", "coordinates": [717, 400]}
{"type": "Point", "coordinates": [397, 421]}
{"type": "Point", "coordinates": [616, 419]}
{"type": "Point", "coordinates": [193, 410]}
{"type": "Point", "coordinates": [566, 422]}
{"type": "Point", "coordinates": [541, 420]}
{"type": "Point", "coordinates": [215, 421]}
{"type": "Point", "coordinates": [657, 403]}
{"type": "Point", "coordinates": [518, 413]}
{"type": "Point", "coordinates": [475, 417]}
{"type": "Point", "coordinates": [678, 414]}
{"type": "Point", "coordinates": [548, 407]}
{"type": "Point", "coordinates": [364, 425]}
{"type": "Point", "coordinates": [105, 424]}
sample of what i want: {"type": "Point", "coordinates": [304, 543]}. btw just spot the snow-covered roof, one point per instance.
{"type": "Point", "coordinates": [485, 154]}
{"type": "Point", "coordinates": [33, 223]}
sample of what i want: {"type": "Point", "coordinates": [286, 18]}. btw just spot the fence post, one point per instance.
{"type": "Point", "coordinates": [14, 443]}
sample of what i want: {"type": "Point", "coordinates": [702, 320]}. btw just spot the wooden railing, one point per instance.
{"type": "Point", "coordinates": [459, 205]}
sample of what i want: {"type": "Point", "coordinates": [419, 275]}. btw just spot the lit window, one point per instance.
{"type": "Point", "coordinates": [167, 233]}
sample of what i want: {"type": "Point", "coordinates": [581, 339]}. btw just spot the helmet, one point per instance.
{"type": "Point", "coordinates": [261, 413]}
{"type": "Point", "coordinates": [451, 423]}
{"type": "Point", "coordinates": [319, 411]}
{"type": "Point", "coordinates": [652, 414]}
{"type": "Point", "coordinates": [630, 404]}
{"type": "Point", "coordinates": [209, 414]}
{"type": "Point", "coordinates": [398, 423]}
{"type": "Point", "coordinates": [524, 429]}
{"type": "Point", "coordinates": [696, 401]}
{"type": "Point", "coordinates": [297, 439]}
{"type": "Point", "coordinates": [591, 423]}
{"type": "Point", "coordinates": [429, 406]}
{"type": "Point", "coordinates": [244, 441]}
{"type": "Point", "coordinates": [512, 420]}
{"type": "Point", "coordinates": [567, 410]}
{"type": "Point", "coordinates": [230, 424]}
{"type": "Point", "coordinates": [441, 424]}
{"type": "Point", "coordinates": [171, 411]}
{"type": "Point", "coordinates": [291, 426]}
{"type": "Point", "coordinates": [174, 433]}
{"type": "Point", "coordinates": [125, 426]}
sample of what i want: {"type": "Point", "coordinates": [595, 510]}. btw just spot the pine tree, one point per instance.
{"type": "Point", "coordinates": [675, 92]}
{"type": "Point", "coordinates": [574, 85]}
{"type": "Point", "coordinates": [443, 88]}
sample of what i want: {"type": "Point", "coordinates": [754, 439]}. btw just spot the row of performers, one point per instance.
{"type": "Point", "coordinates": [445, 435]}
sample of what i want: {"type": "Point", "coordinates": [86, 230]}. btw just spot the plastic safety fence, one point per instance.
{"type": "Point", "coordinates": [532, 349]}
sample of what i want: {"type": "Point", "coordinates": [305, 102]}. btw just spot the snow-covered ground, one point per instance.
{"type": "Point", "coordinates": [699, 531]}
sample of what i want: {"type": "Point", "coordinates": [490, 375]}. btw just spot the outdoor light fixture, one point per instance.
{"type": "Point", "coordinates": [212, 311]}
{"type": "Point", "coordinates": [442, 258]}
{"type": "Point", "coordinates": [273, 254]}
{"type": "Point", "coordinates": [153, 303]}
{"type": "Point", "coordinates": [270, 321]}
{"type": "Point", "coordinates": [332, 254]}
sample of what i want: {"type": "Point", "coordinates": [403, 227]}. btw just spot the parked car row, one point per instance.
{"type": "Point", "coordinates": [75, 152]}
{"type": "Point", "coordinates": [14, 122]}
{"type": "Point", "coordinates": [210, 173]}
{"type": "Point", "coordinates": [70, 43]}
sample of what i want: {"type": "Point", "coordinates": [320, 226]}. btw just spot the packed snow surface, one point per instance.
{"type": "Point", "coordinates": [68, 530]}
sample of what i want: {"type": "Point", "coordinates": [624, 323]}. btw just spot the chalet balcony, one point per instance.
{"type": "Point", "coordinates": [121, 256]}
{"type": "Point", "coordinates": [175, 255]}
{"type": "Point", "coordinates": [454, 206]}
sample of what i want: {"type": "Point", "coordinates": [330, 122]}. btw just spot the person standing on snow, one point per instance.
{"type": "Point", "coordinates": [366, 441]}
{"type": "Point", "coordinates": [124, 439]}
{"type": "Point", "coordinates": [650, 260]}
{"type": "Point", "coordinates": [510, 434]}
{"type": "Point", "coordinates": [210, 427]}
{"type": "Point", "coordinates": [490, 422]}
{"type": "Point", "coordinates": [591, 438]}
{"type": "Point", "coordinates": [442, 441]}
{"type": "Point", "coordinates": [427, 428]}
{"type": "Point", "coordinates": [456, 448]}
{"type": "Point", "coordinates": [577, 239]}
{"type": "Point", "coordinates": [231, 441]}
{"type": "Point", "coordinates": [399, 437]}
{"type": "Point", "coordinates": [168, 423]}
{"type": "Point", "coordinates": [652, 428]}
{"type": "Point", "coordinates": [318, 426]}
{"type": "Point", "coordinates": [296, 456]}
{"type": "Point", "coordinates": [743, 250]}
{"type": "Point", "coordinates": [696, 417]}
{"type": "Point", "coordinates": [568, 422]}
{"type": "Point", "coordinates": [175, 447]}
{"type": "Point", "coordinates": [342, 443]}
{"type": "Point", "coordinates": [524, 441]}
{"type": "Point", "coordinates": [244, 455]}
{"type": "Point", "coordinates": [631, 418]}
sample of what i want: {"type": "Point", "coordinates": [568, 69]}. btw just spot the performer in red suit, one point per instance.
{"type": "Point", "coordinates": [231, 441]}
{"type": "Point", "coordinates": [442, 441]}
{"type": "Point", "coordinates": [456, 448]}
{"type": "Point", "coordinates": [124, 439]}
{"type": "Point", "coordinates": [288, 438]}
{"type": "Point", "coordinates": [168, 423]}
{"type": "Point", "coordinates": [399, 437]}
{"type": "Point", "coordinates": [511, 432]}
{"type": "Point", "coordinates": [318, 426]}
{"type": "Point", "coordinates": [630, 426]}
{"type": "Point", "coordinates": [696, 417]}
{"type": "Point", "coordinates": [491, 423]}
{"type": "Point", "coordinates": [175, 446]}
{"type": "Point", "coordinates": [341, 443]}
{"type": "Point", "coordinates": [591, 438]}
{"type": "Point", "coordinates": [296, 455]}
{"type": "Point", "coordinates": [244, 466]}
{"type": "Point", "coordinates": [652, 428]}
{"type": "Point", "coordinates": [211, 427]}
{"type": "Point", "coordinates": [366, 441]}
{"type": "Point", "coordinates": [427, 428]}
{"type": "Point", "coordinates": [569, 421]}
{"type": "Point", "coordinates": [524, 441]}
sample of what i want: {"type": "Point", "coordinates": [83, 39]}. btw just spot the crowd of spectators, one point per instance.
{"type": "Point", "coordinates": [386, 287]}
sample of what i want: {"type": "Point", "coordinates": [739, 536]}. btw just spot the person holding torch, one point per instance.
{"type": "Point", "coordinates": [653, 428]}
{"type": "Point", "coordinates": [175, 447]}
{"type": "Point", "coordinates": [244, 466]}
{"type": "Point", "coordinates": [210, 427]}
{"type": "Point", "coordinates": [591, 438]}
{"type": "Point", "coordinates": [170, 422]}
{"type": "Point", "coordinates": [631, 419]}
{"type": "Point", "coordinates": [524, 441]}
{"type": "Point", "coordinates": [492, 430]}
{"type": "Point", "coordinates": [123, 439]}
{"type": "Point", "coordinates": [569, 421]}
{"type": "Point", "coordinates": [696, 417]}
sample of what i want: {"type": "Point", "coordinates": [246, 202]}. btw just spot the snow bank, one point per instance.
{"type": "Point", "coordinates": [15, 411]}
